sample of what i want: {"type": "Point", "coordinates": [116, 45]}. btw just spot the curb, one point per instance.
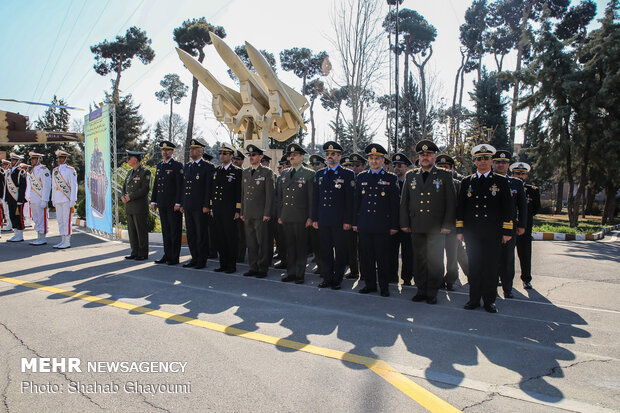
{"type": "Point", "coordinates": [557, 236]}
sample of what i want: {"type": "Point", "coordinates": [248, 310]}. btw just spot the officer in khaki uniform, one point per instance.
{"type": "Point", "coordinates": [295, 208]}
{"type": "Point", "coordinates": [427, 210]}
{"type": "Point", "coordinates": [136, 191]}
{"type": "Point", "coordinates": [257, 188]}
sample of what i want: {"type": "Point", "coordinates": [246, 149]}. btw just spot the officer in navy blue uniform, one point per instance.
{"type": "Point", "coordinates": [356, 163]}
{"type": "Point", "coordinates": [332, 214]}
{"type": "Point", "coordinates": [317, 162]}
{"type": "Point", "coordinates": [484, 222]}
{"type": "Point", "coordinates": [198, 177]}
{"type": "Point", "coordinates": [226, 208]}
{"type": "Point", "coordinates": [501, 160]}
{"type": "Point", "coordinates": [375, 217]}
{"type": "Point", "coordinates": [167, 196]}
{"type": "Point", "coordinates": [401, 242]}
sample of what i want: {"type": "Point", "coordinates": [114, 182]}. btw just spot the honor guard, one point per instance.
{"type": "Point", "coordinates": [332, 214]}
{"type": "Point", "coordinates": [64, 196]}
{"type": "Point", "coordinates": [484, 222]}
{"type": "Point", "coordinates": [375, 217]}
{"type": "Point", "coordinates": [136, 200]}
{"type": "Point", "coordinates": [401, 242]}
{"type": "Point", "coordinates": [16, 183]}
{"type": "Point", "coordinates": [197, 181]}
{"type": "Point", "coordinates": [506, 268]}
{"type": "Point", "coordinates": [521, 170]}
{"type": "Point", "coordinates": [238, 160]}
{"type": "Point", "coordinates": [225, 208]}
{"type": "Point", "coordinates": [257, 188]}
{"type": "Point", "coordinates": [455, 251]}
{"type": "Point", "coordinates": [427, 211]}
{"type": "Point", "coordinates": [38, 193]}
{"type": "Point", "coordinates": [167, 197]}
{"type": "Point", "coordinates": [4, 172]}
{"type": "Point", "coordinates": [295, 208]}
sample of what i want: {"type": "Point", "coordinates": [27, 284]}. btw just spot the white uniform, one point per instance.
{"type": "Point", "coordinates": [63, 201]}
{"type": "Point", "coordinates": [38, 195]}
{"type": "Point", "coordinates": [5, 207]}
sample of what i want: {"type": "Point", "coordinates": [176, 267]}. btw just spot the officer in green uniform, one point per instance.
{"type": "Point", "coordinates": [136, 200]}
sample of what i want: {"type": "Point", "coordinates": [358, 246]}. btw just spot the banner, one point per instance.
{"type": "Point", "coordinates": [98, 173]}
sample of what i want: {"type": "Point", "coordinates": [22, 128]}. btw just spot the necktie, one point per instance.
{"type": "Point", "coordinates": [252, 173]}
{"type": "Point", "coordinates": [424, 176]}
{"type": "Point", "coordinates": [293, 172]}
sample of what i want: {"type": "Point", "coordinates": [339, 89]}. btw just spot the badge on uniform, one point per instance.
{"type": "Point", "coordinates": [494, 189]}
{"type": "Point", "coordinates": [338, 183]}
{"type": "Point", "coordinates": [230, 177]}
{"type": "Point", "coordinates": [513, 192]}
{"type": "Point", "coordinates": [469, 191]}
{"type": "Point", "coordinates": [301, 181]}
{"type": "Point", "coordinates": [437, 183]}
{"type": "Point", "coordinates": [320, 180]}
{"type": "Point", "coordinates": [382, 182]}
{"type": "Point", "coordinates": [413, 183]}
{"type": "Point", "coordinates": [259, 179]}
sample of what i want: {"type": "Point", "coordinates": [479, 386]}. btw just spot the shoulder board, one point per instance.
{"type": "Point", "coordinates": [70, 167]}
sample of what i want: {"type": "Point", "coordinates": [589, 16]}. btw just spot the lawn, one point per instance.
{"type": "Point", "coordinates": [559, 223]}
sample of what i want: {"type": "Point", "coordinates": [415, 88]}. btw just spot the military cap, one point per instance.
{"type": "Point", "coordinates": [35, 155]}
{"type": "Point", "coordinates": [375, 149]}
{"type": "Point", "coordinates": [346, 161]}
{"type": "Point", "coordinates": [60, 153]}
{"type": "Point", "coordinates": [332, 146]}
{"type": "Point", "coordinates": [502, 156]}
{"type": "Point", "coordinates": [227, 147]}
{"type": "Point", "coordinates": [166, 145]}
{"type": "Point", "coordinates": [266, 158]}
{"type": "Point", "coordinates": [15, 156]}
{"type": "Point", "coordinates": [195, 143]}
{"type": "Point", "coordinates": [356, 157]}
{"type": "Point", "coordinates": [238, 155]}
{"type": "Point", "coordinates": [254, 149]}
{"type": "Point", "coordinates": [316, 159]}
{"type": "Point", "coordinates": [445, 158]}
{"type": "Point", "coordinates": [401, 158]}
{"type": "Point", "coordinates": [483, 149]}
{"type": "Point", "coordinates": [207, 156]}
{"type": "Point", "coordinates": [6, 161]}
{"type": "Point", "coordinates": [426, 145]}
{"type": "Point", "coordinates": [521, 167]}
{"type": "Point", "coordinates": [283, 159]}
{"type": "Point", "coordinates": [23, 166]}
{"type": "Point", "coordinates": [387, 160]}
{"type": "Point", "coordinates": [134, 153]}
{"type": "Point", "coordinates": [293, 147]}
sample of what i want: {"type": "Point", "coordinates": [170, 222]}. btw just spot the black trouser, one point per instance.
{"type": "Point", "coordinates": [226, 232]}
{"type": "Point", "coordinates": [241, 244]}
{"type": "Point", "coordinates": [353, 252]}
{"type": "Point", "coordinates": [374, 259]}
{"type": "Point", "coordinates": [333, 253]}
{"type": "Point", "coordinates": [400, 244]}
{"type": "Point", "coordinates": [212, 253]}
{"type": "Point", "coordinates": [483, 250]}
{"type": "Point", "coordinates": [16, 212]}
{"type": "Point", "coordinates": [507, 264]}
{"type": "Point", "coordinates": [296, 249]}
{"type": "Point", "coordinates": [138, 234]}
{"type": "Point", "coordinates": [257, 237]}
{"type": "Point", "coordinates": [455, 255]}
{"type": "Point", "coordinates": [315, 244]}
{"type": "Point", "coordinates": [524, 249]}
{"type": "Point", "coordinates": [196, 226]}
{"type": "Point", "coordinates": [280, 237]}
{"type": "Point", "coordinates": [171, 231]}
{"type": "Point", "coordinates": [428, 258]}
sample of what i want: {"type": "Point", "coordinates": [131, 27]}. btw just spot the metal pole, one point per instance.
{"type": "Point", "coordinates": [116, 220]}
{"type": "Point", "coordinates": [396, 81]}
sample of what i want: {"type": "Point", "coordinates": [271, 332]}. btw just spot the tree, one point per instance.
{"type": "Point", "coordinates": [129, 125]}
{"type": "Point", "coordinates": [173, 90]}
{"type": "Point", "coordinates": [314, 89]}
{"type": "Point", "coordinates": [178, 128]}
{"type": "Point", "coordinates": [116, 56]}
{"type": "Point", "coordinates": [192, 36]}
{"type": "Point", "coordinates": [303, 63]}
{"type": "Point", "coordinates": [363, 136]}
{"type": "Point", "coordinates": [490, 109]}
{"type": "Point", "coordinates": [332, 99]}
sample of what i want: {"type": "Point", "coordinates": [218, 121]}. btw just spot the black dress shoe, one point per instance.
{"type": "Point", "coordinates": [173, 262]}
{"type": "Point", "coordinates": [299, 281]}
{"type": "Point", "coordinates": [130, 257]}
{"type": "Point", "coordinates": [250, 273]}
{"type": "Point", "coordinates": [431, 300]}
{"type": "Point", "coordinates": [280, 265]}
{"type": "Point", "coordinates": [336, 286]}
{"type": "Point", "coordinates": [527, 286]}
{"type": "Point", "coordinates": [449, 287]}
{"type": "Point", "coordinates": [220, 269]}
{"type": "Point", "coordinates": [471, 306]}
{"type": "Point", "coordinates": [189, 264]}
{"type": "Point", "coordinates": [230, 270]}
{"type": "Point", "coordinates": [508, 294]}
{"type": "Point", "coordinates": [200, 265]}
{"type": "Point", "coordinates": [162, 260]}
{"type": "Point", "coordinates": [385, 293]}
{"type": "Point", "coordinates": [490, 308]}
{"type": "Point", "coordinates": [324, 284]}
{"type": "Point", "coordinates": [288, 278]}
{"type": "Point", "coordinates": [418, 297]}
{"type": "Point", "coordinates": [261, 274]}
{"type": "Point", "coordinates": [367, 290]}
{"type": "Point", "coordinates": [140, 258]}
{"type": "Point", "coordinates": [352, 277]}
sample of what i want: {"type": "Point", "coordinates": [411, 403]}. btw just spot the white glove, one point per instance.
{"type": "Point", "coordinates": [43, 204]}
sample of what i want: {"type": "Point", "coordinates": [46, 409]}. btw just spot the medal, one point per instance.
{"type": "Point", "coordinates": [469, 192]}
{"type": "Point", "coordinates": [494, 189]}
{"type": "Point", "coordinates": [197, 176]}
{"type": "Point", "coordinates": [301, 185]}
{"type": "Point", "coordinates": [337, 186]}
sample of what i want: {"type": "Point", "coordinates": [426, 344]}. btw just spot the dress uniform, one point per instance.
{"type": "Point", "coordinates": [483, 217]}
{"type": "Point", "coordinates": [317, 162]}
{"type": "Point", "coordinates": [64, 197]}
{"type": "Point", "coordinates": [356, 163]}
{"type": "Point", "coordinates": [167, 196]}
{"type": "Point", "coordinates": [238, 160]}
{"type": "Point", "coordinates": [295, 208]}
{"type": "Point", "coordinates": [5, 221]}
{"type": "Point", "coordinates": [278, 228]}
{"type": "Point", "coordinates": [16, 183]}
{"type": "Point", "coordinates": [524, 241]}
{"type": "Point", "coordinates": [427, 209]}
{"type": "Point", "coordinates": [257, 188]}
{"type": "Point", "coordinates": [198, 178]}
{"type": "Point", "coordinates": [225, 208]}
{"type": "Point", "coordinates": [375, 216]}
{"type": "Point", "coordinates": [401, 242]}
{"type": "Point", "coordinates": [332, 211]}
{"type": "Point", "coordinates": [519, 217]}
{"type": "Point", "coordinates": [208, 158]}
{"type": "Point", "coordinates": [38, 195]}
{"type": "Point", "coordinates": [136, 197]}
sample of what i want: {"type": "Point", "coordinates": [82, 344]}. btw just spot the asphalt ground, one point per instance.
{"type": "Point", "coordinates": [263, 345]}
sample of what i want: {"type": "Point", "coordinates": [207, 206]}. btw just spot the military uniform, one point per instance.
{"type": "Point", "coordinates": [317, 163]}
{"type": "Point", "coordinates": [353, 236]}
{"type": "Point", "coordinates": [167, 195]}
{"type": "Point", "coordinates": [401, 241]}
{"type": "Point", "coordinates": [524, 241]}
{"type": "Point", "coordinates": [16, 198]}
{"type": "Point", "coordinates": [137, 184]}
{"type": "Point", "coordinates": [64, 197]}
{"type": "Point", "coordinates": [38, 193]}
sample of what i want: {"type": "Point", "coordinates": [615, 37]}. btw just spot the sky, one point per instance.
{"type": "Point", "coordinates": [46, 50]}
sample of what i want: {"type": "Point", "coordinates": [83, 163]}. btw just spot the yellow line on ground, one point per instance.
{"type": "Point", "coordinates": [416, 392]}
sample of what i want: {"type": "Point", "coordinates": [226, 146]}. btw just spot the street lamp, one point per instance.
{"type": "Point", "coordinates": [396, 3]}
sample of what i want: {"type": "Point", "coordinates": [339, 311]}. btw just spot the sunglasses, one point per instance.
{"type": "Point", "coordinates": [483, 158]}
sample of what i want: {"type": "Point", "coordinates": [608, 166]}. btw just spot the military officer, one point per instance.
{"type": "Point", "coordinates": [455, 251]}
{"type": "Point", "coordinates": [257, 187]}
{"type": "Point", "coordinates": [501, 160]}
{"type": "Point", "coordinates": [16, 183]}
{"type": "Point", "coordinates": [401, 242]}
{"type": "Point", "coordinates": [198, 178]}
{"type": "Point", "coordinates": [317, 162]}
{"type": "Point", "coordinates": [64, 196]}
{"type": "Point", "coordinates": [226, 207]}
{"type": "Point", "coordinates": [295, 208]}
{"type": "Point", "coordinates": [279, 236]}
{"type": "Point", "coordinates": [332, 214]}
{"type": "Point", "coordinates": [375, 217]}
{"type": "Point", "coordinates": [207, 157]}
{"type": "Point", "coordinates": [38, 192]}
{"type": "Point", "coordinates": [265, 161]}
{"type": "Point", "coordinates": [238, 160]}
{"type": "Point", "coordinates": [427, 211]}
{"type": "Point", "coordinates": [3, 212]}
{"type": "Point", "coordinates": [521, 170]}
{"type": "Point", "coordinates": [484, 223]}
{"type": "Point", "coordinates": [167, 196]}
{"type": "Point", "coordinates": [357, 164]}
{"type": "Point", "coordinates": [135, 197]}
